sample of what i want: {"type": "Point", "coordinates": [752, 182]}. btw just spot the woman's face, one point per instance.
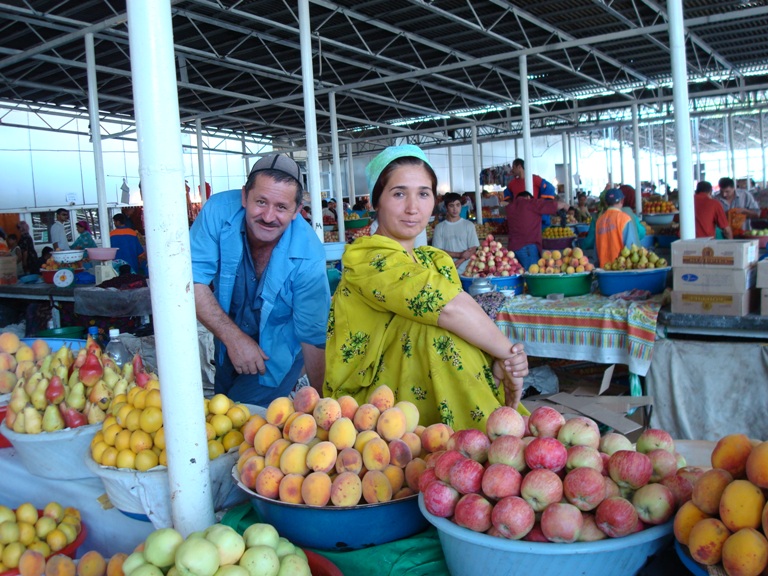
{"type": "Point", "coordinates": [405, 205]}
{"type": "Point", "coordinates": [80, 229]}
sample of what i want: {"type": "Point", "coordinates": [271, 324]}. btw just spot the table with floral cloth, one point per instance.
{"type": "Point", "coordinates": [592, 328]}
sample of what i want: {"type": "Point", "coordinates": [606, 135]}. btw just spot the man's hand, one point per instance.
{"type": "Point", "coordinates": [246, 355]}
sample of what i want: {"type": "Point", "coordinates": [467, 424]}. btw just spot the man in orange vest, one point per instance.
{"type": "Point", "coordinates": [615, 229]}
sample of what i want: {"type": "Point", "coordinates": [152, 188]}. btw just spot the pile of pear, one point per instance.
{"type": "Point", "coordinates": [55, 391]}
{"type": "Point", "coordinates": [636, 258]}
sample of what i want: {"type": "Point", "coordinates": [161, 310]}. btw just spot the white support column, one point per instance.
{"type": "Point", "coordinates": [156, 109]}
{"type": "Point", "coordinates": [526, 113]}
{"type": "Point", "coordinates": [608, 147]}
{"type": "Point", "coordinates": [664, 157]}
{"type": "Point", "coordinates": [450, 169]}
{"type": "Point", "coordinates": [682, 119]}
{"type": "Point", "coordinates": [636, 153]}
{"type": "Point", "coordinates": [200, 160]}
{"type": "Point", "coordinates": [762, 146]}
{"type": "Point", "coordinates": [337, 192]}
{"type": "Point", "coordinates": [731, 146]}
{"type": "Point", "coordinates": [696, 144]}
{"type": "Point", "coordinates": [569, 172]}
{"type": "Point", "coordinates": [622, 177]}
{"type": "Point", "coordinates": [310, 120]}
{"type": "Point", "coordinates": [566, 183]}
{"type": "Point", "coordinates": [350, 176]}
{"type": "Point", "coordinates": [650, 155]}
{"type": "Point", "coordinates": [476, 168]}
{"type": "Point", "coordinates": [98, 158]}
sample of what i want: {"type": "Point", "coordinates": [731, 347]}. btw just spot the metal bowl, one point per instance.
{"type": "Point", "coordinates": [67, 256]}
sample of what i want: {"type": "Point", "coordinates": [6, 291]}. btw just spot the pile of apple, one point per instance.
{"type": "Point", "coordinates": [570, 261]}
{"type": "Point", "coordinates": [726, 519]}
{"type": "Point", "coordinates": [219, 549]}
{"type": "Point", "coordinates": [492, 259]}
{"type": "Point", "coordinates": [53, 391]}
{"type": "Point", "coordinates": [558, 232]}
{"type": "Point", "coordinates": [325, 451]}
{"type": "Point", "coordinates": [132, 435]}
{"type": "Point", "coordinates": [25, 533]}
{"type": "Point", "coordinates": [551, 480]}
{"type": "Point", "coordinates": [636, 258]}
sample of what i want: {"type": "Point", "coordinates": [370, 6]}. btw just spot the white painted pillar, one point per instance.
{"type": "Point", "coordinates": [664, 156]}
{"type": "Point", "coordinates": [337, 192]}
{"type": "Point", "coordinates": [351, 176]}
{"type": "Point", "coordinates": [527, 145]}
{"type": "Point", "coordinates": [608, 146]}
{"type": "Point", "coordinates": [476, 168]}
{"type": "Point", "coordinates": [200, 160]}
{"type": "Point", "coordinates": [651, 177]}
{"type": "Point", "coordinates": [569, 172]}
{"type": "Point", "coordinates": [762, 146]}
{"type": "Point", "coordinates": [682, 119]}
{"type": "Point", "coordinates": [170, 265]}
{"type": "Point", "coordinates": [636, 153]}
{"type": "Point", "coordinates": [98, 158]}
{"type": "Point", "coordinates": [622, 177]}
{"type": "Point", "coordinates": [566, 183]}
{"type": "Point", "coordinates": [450, 168]}
{"type": "Point", "coordinates": [731, 146]}
{"type": "Point", "coordinates": [696, 144]}
{"type": "Point", "coordinates": [310, 120]}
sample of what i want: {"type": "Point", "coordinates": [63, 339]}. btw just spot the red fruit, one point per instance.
{"type": "Point", "coordinates": [55, 391]}
{"type": "Point", "coordinates": [91, 370]}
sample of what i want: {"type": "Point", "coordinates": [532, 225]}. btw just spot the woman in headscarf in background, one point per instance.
{"type": "Point", "coordinates": [28, 253]}
{"type": "Point", "coordinates": [85, 238]}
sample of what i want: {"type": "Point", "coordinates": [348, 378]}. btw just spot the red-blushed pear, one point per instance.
{"type": "Point", "coordinates": [91, 370]}
{"type": "Point", "coordinates": [474, 512]}
{"type": "Point", "coordinates": [655, 503]}
{"type": "Point", "coordinates": [501, 481]}
{"type": "Point", "coordinates": [513, 517]}
{"type": "Point", "coordinates": [579, 431]}
{"type": "Point", "coordinates": [561, 522]}
{"type": "Point", "coordinates": [583, 457]}
{"type": "Point", "coordinates": [546, 452]}
{"type": "Point", "coordinates": [584, 488]}
{"type": "Point", "coordinates": [509, 450]}
{"type": "Point", "coordinates": [630, 469]}
{"type": "Point", "coordinates": [540, 488]}
{"type": "Point", "coordinates": [440, 499]}
{"type": "Point", "coordinates": [616, 517]}
{"type": "Point", "coordinates": [613, 442]}
{"type": "Point", "coordinates": [504, 421]}
{"type": "Point", "coordinates": [545, 421]}
{"type": "Point", "coordinates": [655, 438]}
{"type": "Point", "coordinates": [55, 392]}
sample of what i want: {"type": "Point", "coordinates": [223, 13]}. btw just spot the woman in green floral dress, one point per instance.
{"type": "Point", "coordinates": [400, 317]}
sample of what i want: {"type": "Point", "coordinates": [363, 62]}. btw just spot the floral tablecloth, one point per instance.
{"type": "Point", "coordinates": [592, 328]}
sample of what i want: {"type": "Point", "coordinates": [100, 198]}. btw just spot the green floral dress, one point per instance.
{"type": "Point", "coordinates": [383, 329]}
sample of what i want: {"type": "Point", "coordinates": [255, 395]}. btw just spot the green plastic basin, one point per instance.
{"type": "Point", "coordinates": [576, 284]}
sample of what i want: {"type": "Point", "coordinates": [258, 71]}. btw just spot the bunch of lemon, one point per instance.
{"type": "Point", "coordinates": [25, 529]}
{"type": "Point", "coordinates": [132, 435]}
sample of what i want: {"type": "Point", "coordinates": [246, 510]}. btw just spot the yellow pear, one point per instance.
{"type": "Point", "coordinates": [110, 376]}
{"type": "Point", "coordinates": [121, 387]}
{"type": "Point", "coordinates": [38, 399]}
{"type": "Point", "coordinates": [52, 419]}
{"type": "Point", "coordinates": [31, 383]}
{"type": "Point", "coordinates": [33, 421]}
{"type": "Point", "coordinates": [19, 398]}
{"type": "Point", "coordinates": [100, 395]}
{"type": "Point", "coordinates": [128, 372]}
{"type": "Point", "coordinates": [95, 414]}
{"type": "Point", "coordinates": [18, 424]}
{"type": "Point", "coordinates": [76, 396]}
{"type": "Point", "coordinates": [45, 366]}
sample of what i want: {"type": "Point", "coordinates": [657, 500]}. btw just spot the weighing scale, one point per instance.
{"type": "Point", "coordinates": [103, 270]}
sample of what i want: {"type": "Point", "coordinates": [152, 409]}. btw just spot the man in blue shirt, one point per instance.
{"type": "Point", "coordinates": [269, 308]}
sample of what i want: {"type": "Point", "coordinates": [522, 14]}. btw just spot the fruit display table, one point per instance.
{"type": "Point", "coordinates": [592, 328]}
{"type": "Point", "coordinates": [109, 531]}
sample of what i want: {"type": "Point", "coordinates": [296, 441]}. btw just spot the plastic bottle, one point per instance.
{"type": "Point", "coordinates": [116, 350]}
{"type": "Point", "coordinates": [93, 332]}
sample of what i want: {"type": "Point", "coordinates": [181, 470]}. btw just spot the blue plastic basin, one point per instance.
{"type": "Point", "coordinates": [56, 343]}
{"type": "Point", "coordinates": [512, 283]}
{"type": "Point", "coordinates": [654, 280]}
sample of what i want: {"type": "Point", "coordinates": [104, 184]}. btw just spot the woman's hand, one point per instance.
{"type": "Point", "coordinates": [510, 371]}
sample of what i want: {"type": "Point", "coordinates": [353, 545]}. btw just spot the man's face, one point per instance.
{"type": "Point", "coordinates": [62, 216]}
{"type": "Point", "coordinates": [453, 209]}
{"type": "Point", "coordinates": [582, 200]}
{"type": "Point", "coordinates": [728, 192]}
{"type": "Point", "coordinates": [517, 171]}
{"type": "Point", "coordinates": [269, 208]}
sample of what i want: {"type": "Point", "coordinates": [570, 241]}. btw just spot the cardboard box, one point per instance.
{"type": "Point", "coordinates": [711, 252]}
{"type": "Point", "coordinates": [764, 302]}
{"type": "Point", "coordinates": [762, 274]}
{"type": "Point", "coordinates": [703, 280]}
{"type": "Point", "coordinates": [714, 304]}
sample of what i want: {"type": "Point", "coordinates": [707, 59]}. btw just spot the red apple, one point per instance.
{"type": "Point", "coordinates": [545, 421]}
{"type": "Point", "coordinates": [579, 431]}
{"type": "Point", "coordinates": [584, 488]}
{"type": "Point", "coordinates": [508, 450]}
{"type": "Point", "coordinates": [526, 419]}
{"type": "Point", "coordinates": [430, 459]}
{"type": "Point", "coordinates": [664, 464]}
{"type": "Point", "coordinates": [583, 457]}
{"type": "Point", "coordinates": [690, 473]}
{"type": "Point", "coordinates": [473, 512]}
{"type": "Point", "coordinates": [655, 503]}
{"type": "Point", "coordinates": [500, 481]}
{"type": "Point", "coordinates": [611, 488]}
{"type": "Point", "coordinates": [466, 476]}
{"type": "Point", "coordinates": [613, 442]}
{"type": "Point", "coordinates": [426, 477]}
{"type": "Point", "coordinates": [513, 517]}
{"type": "Point", "coordinates": [440, 499]}
{"type": "Point", "coordinates": [471, 443]}
{"type": "Point", "coordinates": [616, 517]}
{"type": "Point", "coordinates": [535, 535]}
{"type": "Point", "coordinates": [540, 488]}
{"type": "Point", "coordinates": [680, 487]}
{"type": "Point", "coordinates": [589, 530]}
{"type": "Point", "coordinates": [654, 438]}
{"type": "Point", "coordinates": [546, 452]}
{"type": "Point", "coordinates": [630, 469]}
{"type": "Point", "coordinates": [445, 462]}
{"type": "Point", "coordinates": [561, 522]}
{"type": "Point", "coordinates": [605, 458]}
{"type": "Point", "coordinates": [504, 421]}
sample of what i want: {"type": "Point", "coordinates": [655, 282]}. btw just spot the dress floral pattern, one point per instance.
{"type": "Point", "coordinates": [383, 329]}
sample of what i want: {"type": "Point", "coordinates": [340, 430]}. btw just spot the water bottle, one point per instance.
{"type": "Point", "coordinates": [93, 332]}
{"type": "Point", "coordinates": [116, 350]}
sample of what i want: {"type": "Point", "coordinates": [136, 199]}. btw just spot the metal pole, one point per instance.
{"type": "Point", "coordinates": [762, 147]}
{"type": "Point", "coordinates": [156, 110]}
{"type": "Point", "coordinates": [664, 155]}
{"type": "Point", "coordinates": [682, 119]}
{"type": "Point", "coordinates": [608, 145]}
{"type": "Point", "coordinates": [698, 149]}
{"type": "Point", "coordinates": [650, 155]}
{"type": "Point", "coordinates": [450, 168]}
{"type": "Point", "coordinates": [621, 154]}
{"type": "Point", "coordinates": [527, 147]}
{"type": "Point", "coordinates": [337, 193]}
{"type": "Point", "coordinates": [636, 153]}
{"type": "Point", "coordinates": [569, 173]}
{"type": "Point", "coordinates": [350, 176]}
{"type": "Point", "coordinates": [310, 120]}
{"type": "Point", "coordinates": [476, 172]}
{"type": "Point", "coordinates": [732, 146]}
{"type": "Point", "coordinates": [98, 158]}
{"type": "Point", "coordinates": [566, 183]}
{"type": "Point", "coordinates": [200, 160]}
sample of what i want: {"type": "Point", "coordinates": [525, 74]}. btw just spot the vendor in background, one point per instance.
{"type": "Point", "coordinates": [268, 310]}
{"type": "Point", "coordinates": [524, 215]}
{"type": "Point", "coordinates": [730, 198]}
{"type": "Point", "coordinates": [489, 200]}
{"type": "Point", "coordinates": [15, 250]}
{"type": "Point", "coordinates": [710, 215]}
{"type": "Point", "coordinates": [582, 211]}
{"type": "Point", "coordinates": [85, 238]}
{"type": "Point", "coordinates": [129, 248]}
{"type": "Point", "coordinates": [59, 238]}
{"type": "Point", "coordinates": [29, 258]}
{"type": "Point", "coordinates": [614, 229]}
{"type": "Point", "coordinates": [455, 236]}
{"type": "Point", "coordinates": [588, 242]}
{"type": "Point", "coordinates": [400, 317]}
